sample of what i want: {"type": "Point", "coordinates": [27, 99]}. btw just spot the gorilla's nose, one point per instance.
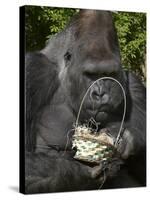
{"type": "Point", "coordinates": [99, 95]}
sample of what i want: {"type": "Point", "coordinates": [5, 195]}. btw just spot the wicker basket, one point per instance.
{"type": "Point", "coordinates": [92, 147]}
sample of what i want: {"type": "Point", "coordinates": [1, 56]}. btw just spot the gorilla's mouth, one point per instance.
{"type": "Point", "coordinates": [100, 115]}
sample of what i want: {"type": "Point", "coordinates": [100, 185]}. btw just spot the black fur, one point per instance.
{"type": "Point", "coordinates": [57, 77]}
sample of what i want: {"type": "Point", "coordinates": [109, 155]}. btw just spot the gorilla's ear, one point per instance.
{"type": "Point", "coordinates": [41, 83]}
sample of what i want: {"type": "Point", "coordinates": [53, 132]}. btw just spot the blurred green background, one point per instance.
{"type": "Point", "coordinates": [43, 22]}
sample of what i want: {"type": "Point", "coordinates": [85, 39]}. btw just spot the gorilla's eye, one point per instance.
{"type": "Point", "coordinates": [67, 56]}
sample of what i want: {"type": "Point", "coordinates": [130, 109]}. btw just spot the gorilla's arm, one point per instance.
{"type": "Point", "coordinates": [137, 127]}
{"type": "Point", "coordinates": [46, 173]}
{"type": "Point", "coordinates": [132, 144]}
{"type": "Point", "coordinates": [41, 82]}
{"type": "Point", "coordinates": [137, 118]}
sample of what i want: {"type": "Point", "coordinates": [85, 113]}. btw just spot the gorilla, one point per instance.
{"type": "Point", "coordinates": [56, 79]}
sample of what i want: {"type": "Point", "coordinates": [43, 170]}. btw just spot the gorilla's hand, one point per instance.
{"type": "Point", "coordinates": [97, 175]}
{"type": "Point", "coordinates": [96, 171]}
{"type": "Point", "coordinates": [105, 170]}
{"type": "Point", "coordinates": [125, 145]}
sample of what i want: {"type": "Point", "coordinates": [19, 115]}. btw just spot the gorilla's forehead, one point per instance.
{"type": "Point", "coordinates": [94, 33]}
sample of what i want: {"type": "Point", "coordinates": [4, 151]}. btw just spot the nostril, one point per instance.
{"type": "Point", "coordinates": [95, 95]}
{"type": "Point", "coordinates": [104, 98]}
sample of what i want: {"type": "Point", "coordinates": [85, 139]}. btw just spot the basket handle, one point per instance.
{"type": "Point", "coordinates": [124, 112]}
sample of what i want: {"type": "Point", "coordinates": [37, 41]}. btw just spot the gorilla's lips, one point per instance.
{"type": "Point", "coordinates": [99, 114]}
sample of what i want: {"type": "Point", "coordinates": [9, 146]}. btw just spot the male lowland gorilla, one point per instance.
{"type": "Point", "coordinates": [57, 78]}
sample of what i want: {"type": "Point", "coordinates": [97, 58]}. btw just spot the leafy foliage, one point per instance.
{"type": "Point", "coordinates": [42, 22]}
{"type": "Point", "coordinates": [131, 28]}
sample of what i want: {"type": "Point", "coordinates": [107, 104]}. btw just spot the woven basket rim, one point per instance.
{"type": "Point", "coordinates": [93, 140]}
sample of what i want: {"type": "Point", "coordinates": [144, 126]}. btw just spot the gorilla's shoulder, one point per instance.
{"type": "Point", "coordinates": [136, 86]}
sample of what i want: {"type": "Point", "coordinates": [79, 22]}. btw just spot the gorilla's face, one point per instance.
{"type": "Point", "coordinates": [94, 54]}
